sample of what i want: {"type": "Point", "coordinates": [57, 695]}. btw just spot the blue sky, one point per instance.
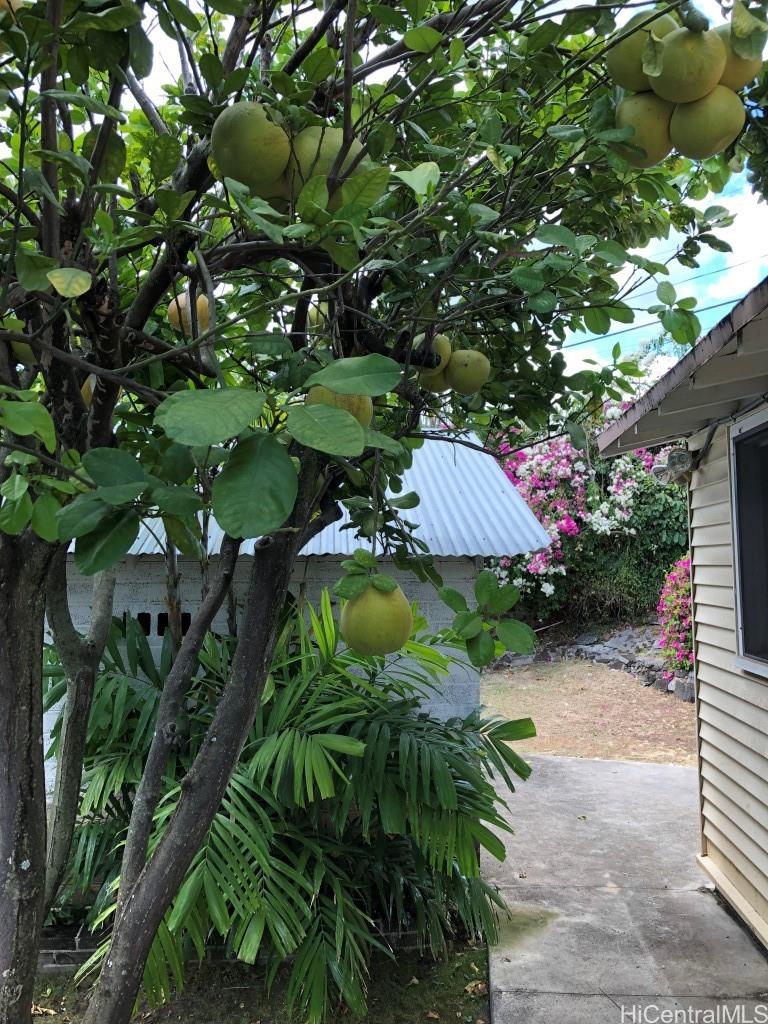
{"type": "Point", "coordinates": [721, 280]}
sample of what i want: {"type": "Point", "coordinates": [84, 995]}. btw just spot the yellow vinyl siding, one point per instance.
{"type": "Point", "coordinates": [732, 705]}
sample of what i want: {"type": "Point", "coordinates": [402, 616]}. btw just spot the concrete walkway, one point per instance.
{"type": "Point", "coordinates": [612, 922]}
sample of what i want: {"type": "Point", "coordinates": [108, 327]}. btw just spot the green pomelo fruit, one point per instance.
{"type": "Point", "coordinates": [708, 126]}
{"type": "Point", "coordinates": [441, 346]}
{"type": "Point", "coordinates": [377, 622]}
{"type": "Point", "coordinates": [624, 61]}
{"type": "Point", "coordinates": [467, 371]}
{"type": "Point", "coordinates": [738, 72]}
{"type": "Point", "coordinates": [691, 65]}
{"type": "Point", "coordinates": [649, 116]}
{"type": "Point", "coordinates": [247, 146]}
{"type": "Point", "coordinates": [359, 406]}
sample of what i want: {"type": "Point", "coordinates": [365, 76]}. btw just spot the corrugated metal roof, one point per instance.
{"type": "Point", "coordinates": [468, 507]}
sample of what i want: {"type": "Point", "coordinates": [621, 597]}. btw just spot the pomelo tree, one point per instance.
{"type": "Point", "coordinates": [412, 169]}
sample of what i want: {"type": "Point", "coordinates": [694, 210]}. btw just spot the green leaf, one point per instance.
{"type": "Point", "coordinates": [364, 557]}
{"type": "Point", "coordinates": [467, 624]}
{"type": "Point", "coordinates": [81, 516]}
{"type": "Point", "coordinates": [320, 64]}
{"type": "Point", "coordinates": [556, 234]}
{"type": "Point", "coordinates": [351, 586]}
{"type": "Point", "coordinates": [164, 155]}
{"type": "Point", "coordinates": [14, 515]}
{"type": "Point", "coordinates": [173, 204]}
{"type": "Point", "coordinates": [70, 282]}
{"type": "Point", "coordinates": [375, 439]}
{"type": "Point", "coordinates": [516, 636]}
{"type": "Point", "coordinates": [32, 269]}
{"type": "Point", "coordinates": [255, 492]}
{"type": "Point", "coordinates": [359, 375]}
{"type": "Point", "coordinates": [518, 729]}
{"type": "Point", "coordinates": [28, 418]}
{"type": "Point", "coordinates": [577, 435]}
{"type": "Point", "coordinates": [326, 428]}
{"type": "Point", "coordinates": [211, 69]}
{"type": "Point", "coordinates": [179, 501]}
{"type": "Point", "coordinates": [15, 487]}
{"type": "Point", "coordinates": [108, 467]}
{"type": "Point", "coordinates": [666, 293]}
{"type": "Point", "coordinates": [208, 417]}
{"type": "Point", "coordinates": [405, 501]}
{"type": "Point", "coordinates": [184, 536]}
{"type": "Point", "coordinates": [748, 32]}
{"type": "Point", "coordinates": [183, 15]}
{"type": "Point", "coordinates": [566, 132]}
{"type": "Point", "coordinates": [108, 543]}
{"type": "Point", "coordinates": [141, 51]}
{"type": "Point", "coordinates": [486, 586]}
{"type": "Point", "coordinates": [597, 320]}
{"type": "Point", "coordinates": [363, 188]}
{"type": "Point", "coordinates": [313, 197]}
{"type": "Point", "coordinates": [422, 39]}
{"type": "Point", "coordinates": [79, 99]}
{"type": "Point", "coordinates": [386, 584]}
{"type": "Point", "coordinates": [481, 649]}
{"type": "Point", "coordinates": [504, 599]}
{"type": "Point", "coordinates": [421, 178]}
{"type": "Point", "coordinates": [44, 521]}
{"type": "Point", "coordinates": [455, 601]}
{"type": "Point", "coordinates": [528, 279]}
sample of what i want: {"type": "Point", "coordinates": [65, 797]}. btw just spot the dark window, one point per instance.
{"type": "Point", "coordinates": [162, 622]}
{"type": "Point", "coordinates": [751, 468]}
{"type": "Point", "coordinates": [145, 621]}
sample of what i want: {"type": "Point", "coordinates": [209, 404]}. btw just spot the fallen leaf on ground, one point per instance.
{"type": "Point", "coordinates": [431, 1015]}
{"type": "Point", "coordinates": [476, 988]}
{"type": "Point", "coordinates": [43, 1011]}
{"type": "Point", "coordinates": [413, 981]}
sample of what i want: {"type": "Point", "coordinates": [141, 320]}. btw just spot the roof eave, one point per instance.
{"type": "Point", "coordinates": [618, 437]}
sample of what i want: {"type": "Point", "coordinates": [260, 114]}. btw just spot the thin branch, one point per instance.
{"type": "Point", "coordinates": [146, 105]}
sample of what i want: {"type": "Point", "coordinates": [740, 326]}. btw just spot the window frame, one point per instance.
{"type": "Point", "coordinates": [747, 425]}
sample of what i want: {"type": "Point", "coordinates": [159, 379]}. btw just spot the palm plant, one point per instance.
{"type": "Point", "coordinates": [352, 815]}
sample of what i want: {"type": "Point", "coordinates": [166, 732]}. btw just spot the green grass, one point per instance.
{"type": "Point", "coordinates": [410, 990]}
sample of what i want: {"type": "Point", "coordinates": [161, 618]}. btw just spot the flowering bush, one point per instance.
{"type": "Point", "coordinates": [674, 610]}
{"type": "Point", "coordinates": [614, 530]}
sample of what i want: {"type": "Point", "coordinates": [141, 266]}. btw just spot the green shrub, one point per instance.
{"type": "Point", "coordinates": [351, 813]}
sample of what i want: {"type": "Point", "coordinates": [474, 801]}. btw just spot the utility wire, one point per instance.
{"type": "Point", "coordinates": [639, 327]}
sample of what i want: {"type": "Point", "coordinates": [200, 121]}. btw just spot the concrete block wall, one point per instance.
{"type": "Point", "coordinates": [140, 588]}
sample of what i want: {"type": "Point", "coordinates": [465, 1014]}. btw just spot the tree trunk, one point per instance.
{"type": "Point", "coordinates": [145, 905]}
{"type": "Point", "coordinates": [80, 657]}
{"type": "Point", "coordinates": [23, 567]}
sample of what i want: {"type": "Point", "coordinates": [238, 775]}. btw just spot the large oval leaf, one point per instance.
{"type": "Point", "coordinates": [359, 375]}
{"type": "Point", "coordinates": [208, 417]}
{"type": "Point", "coordinates": [327, 429]}
{"type": "Point", "coordinates": [256, 491]}
{"type": "Point", "coordinates": [102, 547]}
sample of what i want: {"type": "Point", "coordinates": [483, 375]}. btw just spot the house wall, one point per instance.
{"type": "Point", "coordinates": [732, 704]}
{"type": "Point", "coordinates": [141, 588]}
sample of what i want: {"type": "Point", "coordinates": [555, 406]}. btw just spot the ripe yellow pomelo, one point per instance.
{"type": "Point", "coordinates": [467, 371]}
{"type": "Point", "coordinates": [691, 65]}
{"type": "Point", "coordinates": [180, 318]}
{"type": "Point", "coordinates": [377, 622]}
{"type": "Point", "coordinates": [624, 61]}
{"type": "Point", "coordinates": [437, 383]}
{"type": "Point", "coordinates": [738, 72]}
{"type": "Point", "coordinates": [247, 146]}
{"type": "Point", "coordinates": [649, 115]}
{"type": "Point", "coordinates": [313, 152]}
{"type": "Point", "coordinates": [441, 346]}
{"type": "Point", "coordinates": [709, 125]}
{"type": "Point", "coordinates": [360, 406]}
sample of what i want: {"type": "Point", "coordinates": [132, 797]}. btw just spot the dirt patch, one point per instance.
{"type": "Point", "coordinates": [583, 709]}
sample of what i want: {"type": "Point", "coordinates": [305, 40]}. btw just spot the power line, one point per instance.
{"type": "Point", "coordinates": [708, 273]}
{"type": "Point", "coordinates": [639, 327]}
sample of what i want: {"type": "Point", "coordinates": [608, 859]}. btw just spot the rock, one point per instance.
{"type": "Point", "coordinates": [586, 639]}
{"type": "Point", "coordinates": [619, 663]}
{"type": "Point", "coordinates": [685, 688]}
